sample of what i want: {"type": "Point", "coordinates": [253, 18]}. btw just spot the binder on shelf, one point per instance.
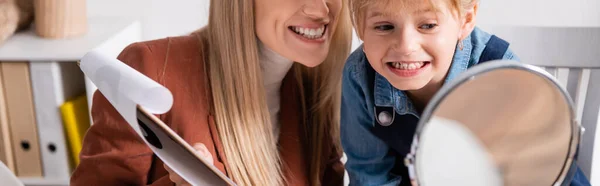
{"type": "Point", "coordinates": [6, 148]}
{"type": "Point", "coordinates": [76, 121]}
{"type": "Point", "coordinates": [48, 94]}
{"type": "Point", "coordinates": [21, 118]}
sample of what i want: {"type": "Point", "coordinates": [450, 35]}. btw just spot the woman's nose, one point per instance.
{"type": "Point", "coordinates": [316, 9]}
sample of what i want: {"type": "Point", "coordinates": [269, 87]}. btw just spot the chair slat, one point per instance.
{"type": "Point", "coordinates": [573, 83]}
{"type": "Point", "coordinates": [562, 75]}
{"type": "Point", "coordinates": [581, 94]}
{"type": "Point", "coordinates": [552, 71]}
{"type": "Point", "coordinates": [588, 160]}
{"type": "Point", "coordinates": [595, 160]}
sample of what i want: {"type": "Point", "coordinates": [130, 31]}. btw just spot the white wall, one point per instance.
{"type": "Point", "coordinates": [159, 18]}
{"type": "Point", "coordinates": [162, 18]}
{"type": "Point", "coordinates": [561, 13]}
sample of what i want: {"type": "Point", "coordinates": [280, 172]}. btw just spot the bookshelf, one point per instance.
{"type": "Point", "coordinates": [55, 77]}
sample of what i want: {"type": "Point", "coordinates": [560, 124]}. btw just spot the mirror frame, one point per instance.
{"type": "Point", "coordinates": [471, 74]}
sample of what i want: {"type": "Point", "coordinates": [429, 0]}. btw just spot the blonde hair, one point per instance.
{"type": "Point", "coordinates": [358, 8]}
{"type": "Point", "coordinates": [239, 104]}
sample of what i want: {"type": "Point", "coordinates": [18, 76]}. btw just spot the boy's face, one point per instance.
{"type": "Point", "coordinates": [412, 46]}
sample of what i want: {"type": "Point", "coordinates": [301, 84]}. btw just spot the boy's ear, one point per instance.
{"type": "Point", "coordinates": [468, 21]}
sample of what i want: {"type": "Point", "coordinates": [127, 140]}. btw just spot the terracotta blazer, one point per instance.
{"type": "Point", "coordinates": [113, 154]}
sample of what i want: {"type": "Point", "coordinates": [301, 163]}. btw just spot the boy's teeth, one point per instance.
{"type": "Point", "coordinates": [407, 66]}
{"type": "Point", "coordinates": [310, 33]}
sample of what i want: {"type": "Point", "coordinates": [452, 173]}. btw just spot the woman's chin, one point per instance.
{"type": "Point", "coordinates": [311, 63]}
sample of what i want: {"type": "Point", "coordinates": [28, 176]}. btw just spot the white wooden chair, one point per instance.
{"type": "Point", "coordinates": [572, 55]}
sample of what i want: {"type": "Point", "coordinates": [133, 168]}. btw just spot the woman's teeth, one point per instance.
{"type": "Point", "coordinates": [309, 33]}
{"type": "Point", "coordinates": [407, 66]}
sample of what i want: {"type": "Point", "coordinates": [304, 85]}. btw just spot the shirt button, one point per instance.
{"type": "Point", "coordinates": [385, 118]}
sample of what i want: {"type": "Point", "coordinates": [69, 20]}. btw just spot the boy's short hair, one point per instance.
{"type": "Point", "coordinates": [358, 8]}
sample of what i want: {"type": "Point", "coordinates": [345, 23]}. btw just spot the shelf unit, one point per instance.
{"type": "Point", "coordinates": [109, 35]}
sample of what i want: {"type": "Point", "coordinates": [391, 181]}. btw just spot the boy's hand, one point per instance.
{"type": "Point", "coordinates": [178, 180]}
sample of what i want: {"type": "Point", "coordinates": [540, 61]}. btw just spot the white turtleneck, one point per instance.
{"type": "Point", "coordinates": [274, 68]}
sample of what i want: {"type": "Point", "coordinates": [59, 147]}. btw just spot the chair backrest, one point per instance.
{"type": "Point", "coordinates": [572, 55]}
{"type": "Point", "coordinates": [583, 84]}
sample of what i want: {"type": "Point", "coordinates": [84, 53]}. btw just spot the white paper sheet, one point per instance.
{"type": "Point", "coordinates": [125, 87]}
{"type": "Point", "coordinates": [8, 177]}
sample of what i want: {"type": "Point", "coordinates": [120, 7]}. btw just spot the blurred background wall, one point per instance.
{"type": "Point", "coordinates": [162, 18]}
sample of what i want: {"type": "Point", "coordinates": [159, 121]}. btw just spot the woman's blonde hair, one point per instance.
{"type": "Point", "coordinates": [358, 8]}
{"type": "Point", "coordinates": [239, 103]}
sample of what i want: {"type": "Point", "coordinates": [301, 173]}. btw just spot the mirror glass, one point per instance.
{"type": "Point", "coordinates": [502, 126]}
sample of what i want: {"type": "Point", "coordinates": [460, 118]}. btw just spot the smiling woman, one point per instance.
{"type": "Point", "coordinates": [298, 30]}
{"type": "Point", "coordinates": [257, 91]}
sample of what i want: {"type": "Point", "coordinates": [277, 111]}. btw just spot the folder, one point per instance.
{"type": "Point", "coordinates": [49, 92]}
{"type": "Point", "coordinates": [76, 122]}
{"type": "Point", "coordinates": [6, 148]}
{"type": "Point", "coordinates": [21, 118]}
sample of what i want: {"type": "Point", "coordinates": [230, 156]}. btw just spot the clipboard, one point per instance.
{"type": "Point", "coordinates": [136, 97]}
{"type": "Point", "coordinates": [169, 146]}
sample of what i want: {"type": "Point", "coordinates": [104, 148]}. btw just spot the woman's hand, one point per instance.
{"type": "Point", "coordinates": [178, 180]}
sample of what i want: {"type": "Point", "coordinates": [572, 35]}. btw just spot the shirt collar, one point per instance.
{"type": "Point", "coordinates": [460, 61]}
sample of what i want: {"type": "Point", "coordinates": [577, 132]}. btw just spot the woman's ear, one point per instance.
{"type": "Point", "coordinates": [468, 20]}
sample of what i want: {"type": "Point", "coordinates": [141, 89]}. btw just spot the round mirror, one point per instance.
{"type": "Point", "coordinates": [499, 123]}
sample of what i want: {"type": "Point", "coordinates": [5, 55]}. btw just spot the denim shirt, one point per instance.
{"type": "Point", "coordinates": [370, 159]}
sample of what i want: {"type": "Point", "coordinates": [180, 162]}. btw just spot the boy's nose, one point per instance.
{"type": "Point", "coordinates": [406, 43]}
{"type": "Point", "coordinates": [316, 9]}
{"type": "Point", "coordinates": [405, 46]}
